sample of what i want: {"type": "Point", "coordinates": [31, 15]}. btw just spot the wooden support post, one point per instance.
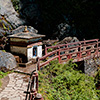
{"type": "Point", "coordinates": [78, 55]}
{"type": "Point", "coordinates": [84, 41]}
{"type": "Point", "coordinates": [80, 50]}
{"type": "Point", "coordinates": [34, 86]}
{"type": "Point", "coordinates": [68, 57]}
{"type": "Point", "coordinates": [45, 50]}
{"type": "Point", "coordinates": [97, 50]}
{"type": "Point", "coordinates": [59, 56]}
{"type": "Point", "coordinates": [36, 81]}
{"type": "Point", "coordinates": [38, 63]}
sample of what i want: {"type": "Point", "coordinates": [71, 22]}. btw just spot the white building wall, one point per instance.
{"type": "Point", "coordinates": [39, 51]}
{"type": "Point", "coordinates": [30, 52]}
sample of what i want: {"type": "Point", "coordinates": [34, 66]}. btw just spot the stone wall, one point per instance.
{"type": "Point", "coordinates": [91, 66]}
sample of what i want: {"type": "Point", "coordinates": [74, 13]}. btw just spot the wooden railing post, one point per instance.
{"type": "Point", "coordinates": [80, 50]}
{"type": "Point", "coordinates": [84, 41]}
{"type": "Point", "coordinates": [97, 49]}
{"type": "Point", "coordinates": [59, 54]}
{"type": "Point", "coordinates": [36, 81]}
{"type": "Point", "coordinates": [34, 86]}
{"type": "Point", "coordinates": [38, 63]}
{"type": "Point", "coordinates": [45, 49]}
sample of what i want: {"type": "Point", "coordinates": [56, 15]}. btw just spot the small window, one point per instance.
{"type": "Point", "coordinates": [34, 51]}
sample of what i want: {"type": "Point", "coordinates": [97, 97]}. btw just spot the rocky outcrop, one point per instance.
{"type": "Point", "coordinates": [68, 40]}
{"type": "Point", "coordinates": [65, 30]}
{"type": "Point", "coordinates": [9, 13]}
{"type": "Point", "coordinates": [91, 66]}
{"type": "Point", "coordinates": [5, 27]}
{"type": "Point", "coordinates": [7, 61]}
{"type": "Point", "coordinates": [49, 42]}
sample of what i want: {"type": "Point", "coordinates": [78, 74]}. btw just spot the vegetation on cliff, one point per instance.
{"type": "Point", "coordinates": [64, 82]}
{"type": "Point", "coordinates": [16, 4]}
{"type": "Point", "coordinates": [2, 75]}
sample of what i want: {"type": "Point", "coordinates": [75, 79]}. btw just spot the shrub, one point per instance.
{"type": "Point", "coordinates": [62, 82]}
{"type": "Point", "coordinates": [16, 4]}
{"type": "Point", "coordinates": [2, 75]}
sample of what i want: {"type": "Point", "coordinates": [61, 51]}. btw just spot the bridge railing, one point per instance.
{"type": "Point", "coordinates": [47, 58]}
{"type": "Point", "coordinates": [32, 86]}
{"type": "Point", "coordinates": [74, 44]}
{"type": "Point", "coordinates": [76, 51]}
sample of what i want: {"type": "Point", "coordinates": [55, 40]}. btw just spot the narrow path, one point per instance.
{"type": "Point", "coordinates": [14, 90]}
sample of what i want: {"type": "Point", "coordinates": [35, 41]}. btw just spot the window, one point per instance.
{"type": "Point", "coordinates": [34, 51]}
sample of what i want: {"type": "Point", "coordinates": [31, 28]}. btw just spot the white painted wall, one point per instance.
{"type": "Point", "coordinates": [30, 52]}
{"type": "Point", "coordinates": [39, 51]}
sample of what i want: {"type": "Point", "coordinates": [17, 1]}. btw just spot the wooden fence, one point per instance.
{"type": "Point", "coordinates": [77, 51]}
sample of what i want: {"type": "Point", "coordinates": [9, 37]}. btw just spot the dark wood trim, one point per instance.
{"type": "Point", "coordinates": [22, 44]}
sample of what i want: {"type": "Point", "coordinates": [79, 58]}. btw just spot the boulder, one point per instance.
{"type": "Point", "coordinates": [68, 40]}
{"type": "Point", "coordinates": [7, 61]}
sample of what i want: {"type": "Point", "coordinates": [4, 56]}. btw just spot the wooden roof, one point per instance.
{"type": "Point", "coordinates": [26, 35]}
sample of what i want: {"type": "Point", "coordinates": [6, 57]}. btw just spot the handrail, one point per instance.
{"type": "Point", "coordinates": [69, 44]}
{"type": "Point", "coordinates": [49, 54]}
{"type": "Point", "coordinates": [92, 44]}
{"type": "Point", "coordinates": [30, 84]}
{"type": "Point", "coordinates": [61, 55]}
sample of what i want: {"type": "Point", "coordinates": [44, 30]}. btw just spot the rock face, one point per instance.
{"type": "Point", "coordinates": [65, 30]}
{"type": "Point", "coordinates": [7, 10]}
{"type": "Point", "coordinates": [7, 61]}
{"type": "Point", "coordinates": [68, 40]}
{"type": "Point", "coordinates": [5, 27]}
{"type": "Point", "coordinates": [91, 66]}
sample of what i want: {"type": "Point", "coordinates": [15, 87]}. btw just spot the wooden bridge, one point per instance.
{"type": "Point", "coordinates": [78, 51]}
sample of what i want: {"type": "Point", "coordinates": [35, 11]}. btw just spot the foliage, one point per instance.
{"type": "Point", "coordinates": [63, 82]}
{"type": "Point", "coordinates": [2, 75]}
{"type": "Point", "coordinates": [49, 50]}
{"type": "Point", "coordinates": [98, 76]}
{"type": "Point", "coordinates": [4, 26]}
{"type": "Point", "coordinates": [16, 4]}
{"type": "Point", "coordinates": [97, 80]}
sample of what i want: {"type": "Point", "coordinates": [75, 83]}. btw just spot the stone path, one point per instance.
{"type": "Point", "coordinates": [15, 88]}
